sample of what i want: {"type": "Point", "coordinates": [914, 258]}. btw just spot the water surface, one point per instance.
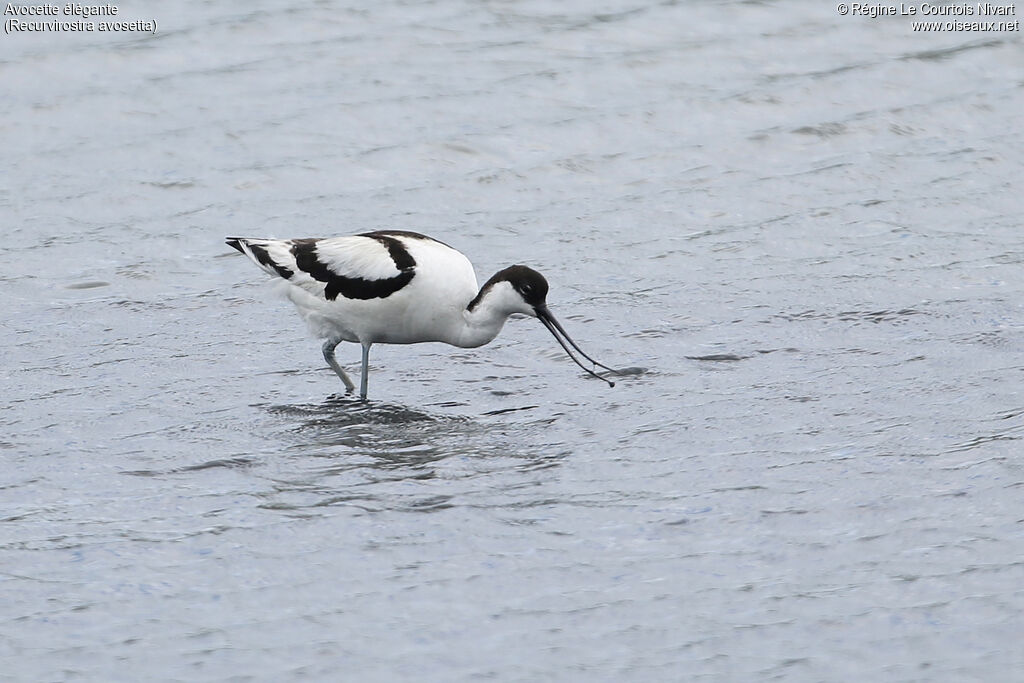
{"type": "Point", "coordinates": [805, 226]}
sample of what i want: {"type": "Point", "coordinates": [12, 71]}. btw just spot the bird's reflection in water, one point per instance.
{"type": "Point", "coordinates": [383, 456]}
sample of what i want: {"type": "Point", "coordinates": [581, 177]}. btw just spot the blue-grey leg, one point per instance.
{"type": "Point", "coordinates": [333, 362]}
{"type": "Point", "coordinates": [366, 371]}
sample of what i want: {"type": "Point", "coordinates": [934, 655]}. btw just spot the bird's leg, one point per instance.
{"type": "Point", "coordinates": [365, 373]}
{"type": "Point", "coordinates": [333, 362]}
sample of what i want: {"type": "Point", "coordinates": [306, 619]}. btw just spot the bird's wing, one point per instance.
{"type": "Point", "coordinates": [353, 267]}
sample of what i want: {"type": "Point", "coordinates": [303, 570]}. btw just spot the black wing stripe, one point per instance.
{"type": "Point", "coordinates": [399, 254]}
{"type": "Point", "coordinates": [377, 234]}
{"type": "Point", "coordinates": [304, 251]}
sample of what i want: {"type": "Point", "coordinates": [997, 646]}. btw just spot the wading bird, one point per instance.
{"type": "Point", "coordinates": [398, 287]}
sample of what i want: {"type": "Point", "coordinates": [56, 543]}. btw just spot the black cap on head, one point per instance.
{"type": "Point", "coordinates": [530, 284]}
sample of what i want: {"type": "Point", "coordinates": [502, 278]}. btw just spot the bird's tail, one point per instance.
{"type": "Point", "coordinates": [273, 256]}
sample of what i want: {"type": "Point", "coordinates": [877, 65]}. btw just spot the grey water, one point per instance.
{"type": "Point", "coordinates": [805, 226]}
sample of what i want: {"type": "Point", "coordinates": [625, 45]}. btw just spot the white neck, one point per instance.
{"type": "Point", "coordinates": [485, 321]}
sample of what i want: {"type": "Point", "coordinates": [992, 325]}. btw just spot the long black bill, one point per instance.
{"type": "Point", "coordinates": [544, 315]}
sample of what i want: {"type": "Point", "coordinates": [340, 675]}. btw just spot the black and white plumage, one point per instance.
{"type": "Point", "coordinates": [398, 287]}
